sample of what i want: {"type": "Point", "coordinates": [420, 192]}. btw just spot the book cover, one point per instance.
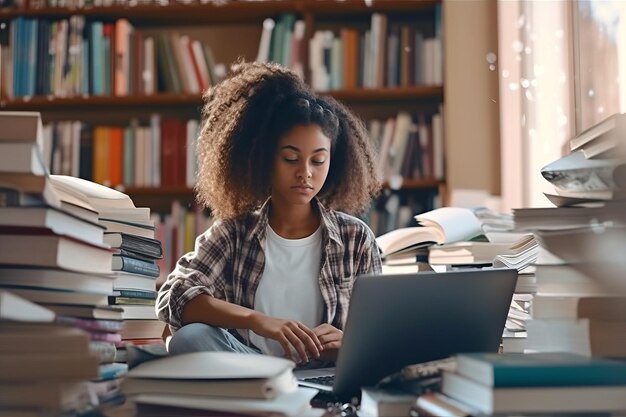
{"type": "Point", "coordinates": [540, 369]}
{"type": "Point", "coordinates": [575, 399]}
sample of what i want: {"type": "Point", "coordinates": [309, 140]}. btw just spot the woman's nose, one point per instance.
{"type": "Point", "coordinates": [304, 171]}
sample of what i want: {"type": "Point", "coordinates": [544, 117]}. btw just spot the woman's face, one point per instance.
{"type": "Point", "coordinates": [301, 165]}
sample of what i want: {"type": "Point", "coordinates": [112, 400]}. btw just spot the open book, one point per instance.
{"type": "Point", "coordinates": [439, 226]}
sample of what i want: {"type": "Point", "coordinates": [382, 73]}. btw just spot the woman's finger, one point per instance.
{"type": "Point", "coordinates": [331, 337]}
{"type": "Point", "coordinates": [297, 344]}
{"type": "Point", "coordinates": [312, 335]}
{"type": "Point", "coordinates": [333, 345]}
{"type": "Point", "coordinates": [284, 343]}
{"type": "Point", "coordinates": [310, 344]}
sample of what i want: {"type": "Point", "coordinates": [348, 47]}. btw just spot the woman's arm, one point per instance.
{"type": "Point", "coordinates": [219, 313]}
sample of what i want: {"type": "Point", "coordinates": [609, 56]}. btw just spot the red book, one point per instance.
{"type": "Point", "coordinates": [116, 161]}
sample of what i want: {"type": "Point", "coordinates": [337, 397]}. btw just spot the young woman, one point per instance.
{"type": "Point", "coordinates": [274, 273]}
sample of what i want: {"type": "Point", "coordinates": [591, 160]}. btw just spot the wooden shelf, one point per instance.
{"type": "Point", "coordinates": [416, 184]}
{"type": "Point", "coordinates": [187, 194]}
{"type": "Point", "coordinates": [195, 100]}
{"type": "Point", "coordinates": [61, 103]}
{"type": "Point", "coordinates": [388, 94]}
{"type": "Point", "coordinates": [238, 11]}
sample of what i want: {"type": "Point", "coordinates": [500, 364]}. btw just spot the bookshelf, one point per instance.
{"type": "Point", "coordinates": [231, 30]}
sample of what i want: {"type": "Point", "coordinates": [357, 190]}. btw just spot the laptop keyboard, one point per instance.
{"type": "Point", "coordinates": [328, 380]}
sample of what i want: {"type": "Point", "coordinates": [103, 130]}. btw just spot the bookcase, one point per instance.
{"type": "Point", "coordinates": [231, 29]}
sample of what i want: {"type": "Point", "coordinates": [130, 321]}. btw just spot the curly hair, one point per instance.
{"type": "Point", "coordinates": [244, 117]}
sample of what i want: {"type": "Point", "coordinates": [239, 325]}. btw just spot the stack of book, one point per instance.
{"type": "Point", "coordinates": [217, 383]}
{"type": "Point", "coordinates": [130, 232]}
{"type": "Point", "coordinates": [45, 365]}
{"type": "Point", "coordinates": [580, 285]}
{"type": "Point", "coordinates": [544, 384]}
{"type": "Point", "coordinates": [53, 250]}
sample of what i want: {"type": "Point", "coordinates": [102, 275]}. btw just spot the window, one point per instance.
{"type": "Point", "coordinates": [600, 60]}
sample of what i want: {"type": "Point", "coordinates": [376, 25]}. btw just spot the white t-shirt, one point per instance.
{"type": "Point", "coordinates": [289, 287]}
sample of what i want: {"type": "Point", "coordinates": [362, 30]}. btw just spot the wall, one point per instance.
{"type": "Point", "coordinates": [471, 95]}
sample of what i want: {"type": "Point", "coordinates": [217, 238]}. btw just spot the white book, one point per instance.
{"type": "Point", "coordinates": [75, 140]}
{"type": "Point", "coordinates": [610, 130]}
{"type": "Point", "coordinates": [399, 142]}
{"type": "Point", "coordinates": [265, 41]}
{"type": "Point", "coordinates": [54, 251]}
{"type": "Point", "coordinates": [438, 147]}
{"type": "Point", "coordinates": [138, 312]}
{"type": "Point", "coordinates": [57, 279]}
{"type": "Point", "coordinates": [214, 374]}
{"type": "Point", "coordinates": [148, 73]}
{"type": "Point", "coordinates": [21, 126]}
{"type": "Point", "coordinates": [193, 83]}
{"type": "Point", "coordinates": [547, 306]}
{"type": "Point", "coordinates": [198, 57]}
{"type": "Point", "coordinates": [192, 158]}
{"type": "Point", "coordinates": [154, 146]}
{"type": "Point", "coordinates": [587, 337]}
{"type": "Point", "coordinates": [15, 308]}
{"type": "Point", "coordinates": [23, 158]}
{"type": "Point", "coordinates": [142, 162]}
{"type": "Point", "coordinates": [98, 196]}
{"type": "Point", "coordinates": [384, 163]}
{"type": "Point", "coordinates": [385, 403]}
{"type": "Point", "coordinates": [291, 404]}
{"type": "Point", "coordinates": [58, 221]}
{"type": "Point", "coordinates": [299, 28]}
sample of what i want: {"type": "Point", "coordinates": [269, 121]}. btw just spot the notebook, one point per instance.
{"type": "Point", "coordinates": [397, 320]}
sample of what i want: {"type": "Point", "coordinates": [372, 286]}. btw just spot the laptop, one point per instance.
{"type": "Point", "coordinates": [398, 320]}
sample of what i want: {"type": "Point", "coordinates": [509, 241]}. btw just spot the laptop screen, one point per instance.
{"type": "Point", "coordinates": [397, 320]}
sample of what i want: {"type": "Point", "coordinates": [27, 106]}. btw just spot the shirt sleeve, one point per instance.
{"type": "Point", "coordinates": [369, 261]}
{"type": "Point", "coordinates": [203, 271]}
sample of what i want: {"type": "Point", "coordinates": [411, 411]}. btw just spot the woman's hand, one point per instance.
{"type": "Point", "coordinates": [330, 337]}
{"type": "Point", "coordinates": [288, 333]}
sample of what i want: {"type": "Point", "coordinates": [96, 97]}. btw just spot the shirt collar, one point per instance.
{"type": "Point", "coordinates": [328, 222]}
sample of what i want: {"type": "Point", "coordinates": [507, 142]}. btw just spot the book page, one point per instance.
{"type": "Point", "coordinates": [457, 224]}
{"type": "Point", "coordinates": [97, 195]}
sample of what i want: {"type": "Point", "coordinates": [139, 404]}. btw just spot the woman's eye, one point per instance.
{"type": "Point", "coordinates": [319, 162]}
{"type": "Point", "coordinates": [291, 160]}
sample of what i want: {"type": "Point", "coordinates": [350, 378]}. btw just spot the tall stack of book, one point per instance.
{"type": "Point", "coordinates": [53, 252]}
{"type": "Point", "coordinates": [581, 291]}
{"type": "Point", "coordinates": [130, 232]}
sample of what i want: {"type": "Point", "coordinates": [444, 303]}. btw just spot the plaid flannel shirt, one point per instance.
{"type": "Point", "coordinates": [228, 261]}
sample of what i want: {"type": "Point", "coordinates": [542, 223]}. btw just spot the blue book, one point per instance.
{"type": "Point", "coordinates": [540, 370]}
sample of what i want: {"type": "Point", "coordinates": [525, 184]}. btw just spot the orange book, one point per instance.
{"type": "Point", "coordinates": [116, 155]}
{"type": "Point", "coordinates": [101, 156]}
{"type": "Point", "coordinates": [350, 39]}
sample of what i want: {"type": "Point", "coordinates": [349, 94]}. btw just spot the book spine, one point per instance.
{"type": "Point", "coordinates": [135, 266]}
{"type": "Point", "coordinates": [147, 295]}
